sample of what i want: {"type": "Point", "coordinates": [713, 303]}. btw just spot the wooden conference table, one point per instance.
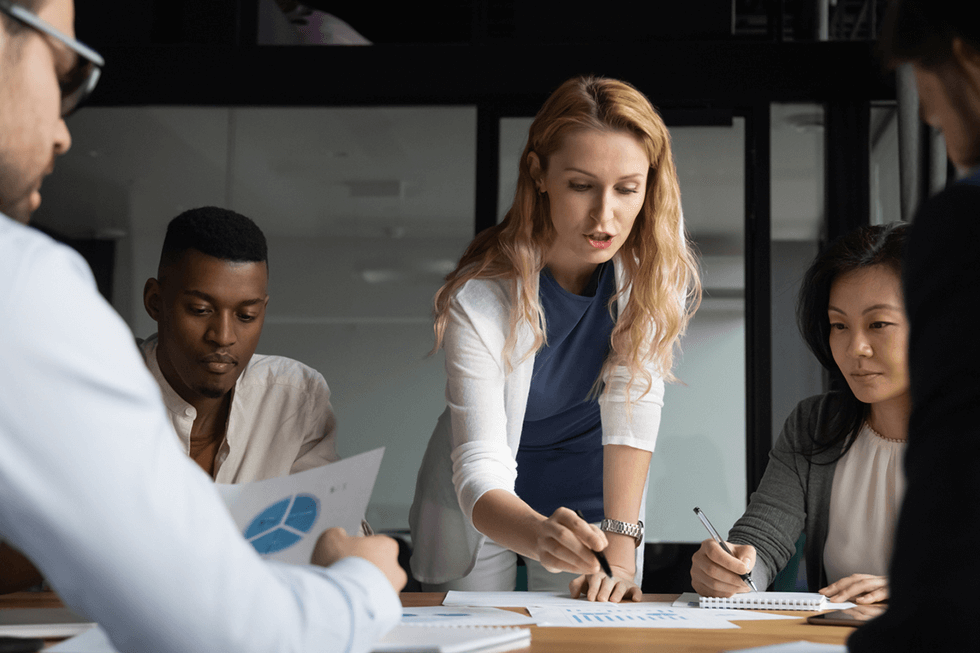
{"type": "Point", "coordinates": [606, 640]}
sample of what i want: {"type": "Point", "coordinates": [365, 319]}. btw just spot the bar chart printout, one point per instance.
{"type": "Point", "coordinates": [626, 616]}
{"type": "Point", "coordinates": [602, 618]}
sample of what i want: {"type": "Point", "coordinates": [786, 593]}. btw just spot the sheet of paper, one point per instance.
{"type": "Point", "coordinates": [283, 517]}
{"type": "Point", "coordinates": [839, 606]}
{"type": "Point", "coordinates": [440, 639]}
{"type": "Point", "coordinates": [636, 615]}
{"type": "Point", "coordinates": [795, 647]}
{"type": "Point", "coordinates": [690, 599]}
{"type": "Point", "coordinates": [93, 640]}
{"type": "Point", "coordinates": [462, 616]}
{"type": "Point", "coordinates": [42, 622]}
{"type": "Point", "coordinates": [510, 599]}
{"type": "Point", "coordinates": [686, 600]}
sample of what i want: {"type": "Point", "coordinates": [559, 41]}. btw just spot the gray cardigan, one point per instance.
{"type": "Point", "coordinates": [794, 496]}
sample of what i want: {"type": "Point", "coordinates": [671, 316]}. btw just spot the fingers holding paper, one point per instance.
{"type": "Point", "coordinates": [715, 573]}
{"type": "Point", "coordinates": [858, 588]}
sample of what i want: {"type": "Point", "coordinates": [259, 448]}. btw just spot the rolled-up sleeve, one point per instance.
{"type": "Point", "coordinates": [635, 426]}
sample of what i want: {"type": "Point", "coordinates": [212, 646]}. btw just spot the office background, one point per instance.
{"type": "Point", "coordinates": [370, 168]}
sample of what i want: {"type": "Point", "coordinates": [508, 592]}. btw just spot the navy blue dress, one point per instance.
{"type": "Point", "coordinates": [559, 461]}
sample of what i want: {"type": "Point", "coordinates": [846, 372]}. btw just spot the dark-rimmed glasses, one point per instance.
{"type": "Point", "coordinates": [81, 80]}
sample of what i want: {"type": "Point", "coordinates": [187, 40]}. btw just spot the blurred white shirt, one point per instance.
{"type": "Point", "coordinates": [127, 529]}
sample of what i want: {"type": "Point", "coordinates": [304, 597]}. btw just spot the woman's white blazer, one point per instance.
{"type": "Point", "coordinates": [473, 448]}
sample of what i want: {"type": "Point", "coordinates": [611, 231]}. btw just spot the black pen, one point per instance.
{"type": "Point", "coordinates": [711, 529]}
{"type": "Point", "coordinates": [599, 555]}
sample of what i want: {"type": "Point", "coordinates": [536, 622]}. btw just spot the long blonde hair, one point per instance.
{"type": "Point", "coordinates": [660, 268]}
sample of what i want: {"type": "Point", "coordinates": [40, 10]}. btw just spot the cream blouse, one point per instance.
{"type": "Point", "coordinates": [869, 483]}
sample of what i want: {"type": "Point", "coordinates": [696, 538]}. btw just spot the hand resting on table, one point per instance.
{"type": "Point", "coordinates": [858, 588]}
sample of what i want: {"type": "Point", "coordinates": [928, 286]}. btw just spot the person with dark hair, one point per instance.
{"type": "Point", "coordinates": [93, 487]}
{"type": "Point", "coordinates": [835, 472]}
{"type": "Point", "coordinates": [559, 327]}
{"type": "Point", "coordinates": [939, 523]}
{"type": "Point", "coordinates": [241, 416]}
{"type": "Point", "coordinates": [217, 232]}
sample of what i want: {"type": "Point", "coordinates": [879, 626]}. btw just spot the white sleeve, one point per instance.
{"type": "Point", "coordinates": [475, 389]}
{"type": "Point", "coordinates": [94, 489]}
{"type": "Point", "coordinates": [636, 426]}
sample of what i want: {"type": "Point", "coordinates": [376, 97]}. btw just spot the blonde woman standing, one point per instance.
{"type": "Point", "coordinates": [559, 326]}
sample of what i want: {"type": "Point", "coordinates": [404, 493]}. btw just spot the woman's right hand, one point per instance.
{"type": "Point", "coordinates": [565, 542]}
{"type": "Point", "coordinates": [715, 573]}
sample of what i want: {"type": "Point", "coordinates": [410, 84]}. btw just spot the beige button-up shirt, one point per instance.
{"type": "Point", "coordinates": [280, 422]}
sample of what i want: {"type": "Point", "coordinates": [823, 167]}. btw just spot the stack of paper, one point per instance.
{"type": "Point", "coordinates": [42, 622]}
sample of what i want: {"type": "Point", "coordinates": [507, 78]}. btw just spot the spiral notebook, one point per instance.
{"type": "Point", "coordinates": [768, 601]}
{"type": "Point", "coordinates": [453, 639]}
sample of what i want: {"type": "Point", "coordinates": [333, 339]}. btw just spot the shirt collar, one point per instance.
{"type": "Point", "coordinates": [174, 402]}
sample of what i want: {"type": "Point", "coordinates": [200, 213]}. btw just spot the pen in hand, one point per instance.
{"type": "Point", "coordinates": [599, 555]}
{"type": "Point", "coordinates": [717, 538]}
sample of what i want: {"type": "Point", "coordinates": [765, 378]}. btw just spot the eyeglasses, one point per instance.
{"type": "Point", "coordinates": [81, 80]}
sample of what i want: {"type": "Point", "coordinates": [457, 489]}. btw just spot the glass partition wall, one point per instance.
{"type": "Point", "coordinates": [365, 211]}
{"type": "Point", "coordinates": [797, 230]}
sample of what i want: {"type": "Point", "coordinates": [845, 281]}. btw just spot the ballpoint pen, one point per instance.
{"type": "Point", "coordinates": [714, 534]}
{"type": "Point", "coordinates": [599, 555]}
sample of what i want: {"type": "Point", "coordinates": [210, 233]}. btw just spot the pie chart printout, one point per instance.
{"type": "Point", "coordinates": [283, 524]}
{"type": "Point", "coordinates": [279, 516]}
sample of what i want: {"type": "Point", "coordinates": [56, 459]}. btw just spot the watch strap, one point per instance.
{"type": "Point", "coordinates": [623, 528]}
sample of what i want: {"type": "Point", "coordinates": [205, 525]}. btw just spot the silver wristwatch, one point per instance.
{"type": "Point", "coordinates": [623, 528]}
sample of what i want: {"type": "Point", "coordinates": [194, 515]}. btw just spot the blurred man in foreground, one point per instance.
{"type": "Point", "coordinates": [93, 487]}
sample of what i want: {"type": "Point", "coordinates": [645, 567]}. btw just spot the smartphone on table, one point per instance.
{"type": "Point", "coordinates": [851, 617]}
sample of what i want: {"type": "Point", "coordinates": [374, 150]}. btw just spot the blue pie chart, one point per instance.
{"type": "Point", "coordinates": [283, 524]}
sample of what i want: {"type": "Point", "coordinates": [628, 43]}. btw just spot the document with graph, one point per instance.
{"type": "Point", "coordinates": [627, 615]}
{"type": "Point", "coordinates": [283, 517]}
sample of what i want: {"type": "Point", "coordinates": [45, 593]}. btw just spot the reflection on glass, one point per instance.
{"type": "Point", "coordinates": [797, 222]}
{"type": "Point", "coordinates": [885, 198]}
{"type": "Point", "coordinates": [701, 449]}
